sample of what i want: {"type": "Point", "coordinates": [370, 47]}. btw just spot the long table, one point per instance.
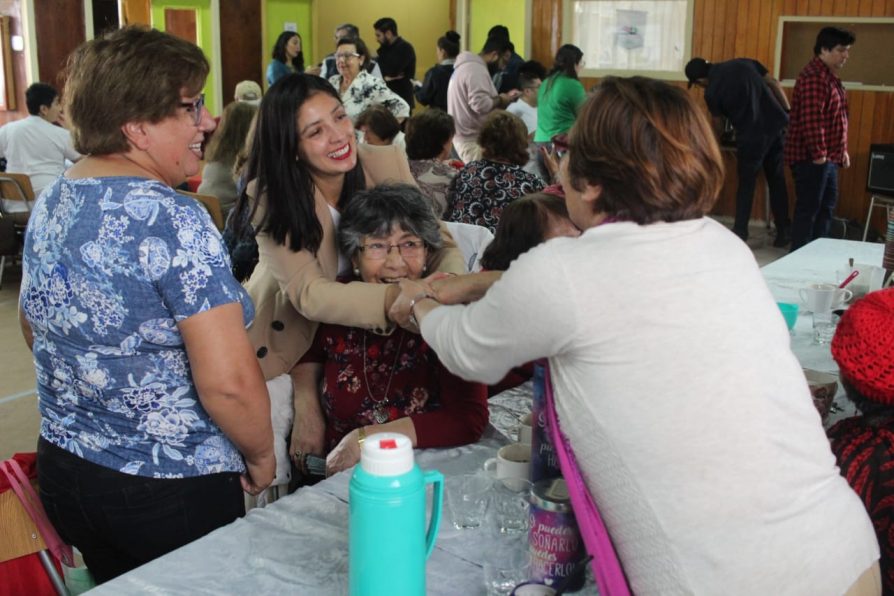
{"type": "Point", "coordinates": [299, 544]}
{"type": "Point", "coordinates": [817, 262]}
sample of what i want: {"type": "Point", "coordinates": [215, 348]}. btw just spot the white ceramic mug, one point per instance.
{"type": "Point", "coordinates": [512, 461]}
{"type": "Point", "coordinates": [822, 298]}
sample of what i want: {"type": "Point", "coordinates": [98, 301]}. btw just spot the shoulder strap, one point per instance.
{"type": "Point", "coordinates": [606, 566]}
{"type": "Point", "coordinates": [21, 486]}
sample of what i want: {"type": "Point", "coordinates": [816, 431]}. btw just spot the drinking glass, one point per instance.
{"type": "Point", "coordinates": [507, 565]}
{"type": "Point", "coordinates": [511, 499]}
{"type": "Point", "coordinates": [467, 496]}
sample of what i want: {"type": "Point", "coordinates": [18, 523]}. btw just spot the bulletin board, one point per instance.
{"type": "Point", "coordinates": [871, 62]}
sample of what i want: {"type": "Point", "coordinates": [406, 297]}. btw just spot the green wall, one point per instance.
{"type": "Point", "coordinates": [279, 12]}
{"type": "Point", "coordinates": [204, 38]}
{"type": "Point", "coordinates": [484, 14]}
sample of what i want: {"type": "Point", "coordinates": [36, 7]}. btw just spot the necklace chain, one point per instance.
{"type": "Point", "coordinates": [380, 414]}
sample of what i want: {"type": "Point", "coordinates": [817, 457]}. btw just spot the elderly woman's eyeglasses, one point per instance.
{"type": "Point", "coordinates": [346, 56]}
{"type": "Point", "coordinates": [195, 108]}
{"type": "Point", "coordinates": [407, 249]}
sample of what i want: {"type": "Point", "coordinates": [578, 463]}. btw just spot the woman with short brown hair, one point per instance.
{"type": "Point", "coordinates": [154, 413]}
{"type": "Point", "coordinates": [673, 376]}
{"type": "Point", "coordinates": [485, 186]}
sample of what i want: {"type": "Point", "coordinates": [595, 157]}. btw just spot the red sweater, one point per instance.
{"type": "Point", "coordinates": [445, 410]}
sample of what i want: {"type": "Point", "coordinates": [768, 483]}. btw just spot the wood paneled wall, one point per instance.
{"type": "Point", "coordinates": [12, 9]}
{"type": "Point", "coordinates": [55, 43]}
{"type": "Point", "coordinates": [239, 51]}
{"type": "Point", "coordinates": [725, 29]}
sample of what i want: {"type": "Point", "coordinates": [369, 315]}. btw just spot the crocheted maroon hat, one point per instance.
{"type": "Point", "coordinates": [863, 346]}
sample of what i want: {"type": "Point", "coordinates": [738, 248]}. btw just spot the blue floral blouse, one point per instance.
{"type": "Point", "coordinates": [110, 266]}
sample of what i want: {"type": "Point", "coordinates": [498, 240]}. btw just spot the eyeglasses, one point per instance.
{"type": "Point", "coordinates": [346, 57]}
{"type": "Point", "coordinates": [195, 107]}
{"type": "Point", "coordinates": [407, 249]}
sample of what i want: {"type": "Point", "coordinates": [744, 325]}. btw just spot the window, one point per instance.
{"type": "Point", "coordinates": [626, 37]}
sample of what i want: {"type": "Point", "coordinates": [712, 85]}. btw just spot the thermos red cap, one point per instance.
{"type": "Point", "coordinates": [386, 454]}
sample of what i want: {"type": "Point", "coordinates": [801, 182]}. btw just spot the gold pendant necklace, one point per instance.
{"type": "Point", "coordinates": [380, 414]}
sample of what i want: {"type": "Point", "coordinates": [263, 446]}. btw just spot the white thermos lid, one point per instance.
{"type": "Point", "coordinates": [386, 454]}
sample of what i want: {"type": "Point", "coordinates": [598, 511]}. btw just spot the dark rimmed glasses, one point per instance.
{"type": "Point", "coordinates": [195, 108]}
{"type": "Point", "coordinates": [380, 250]}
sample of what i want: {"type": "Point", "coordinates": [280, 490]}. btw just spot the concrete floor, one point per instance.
{"type": "Point", "coordinates": [19, 418]}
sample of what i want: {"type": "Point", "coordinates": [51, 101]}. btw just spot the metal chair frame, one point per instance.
{"type": "Point", "coordinates": [877, 200]}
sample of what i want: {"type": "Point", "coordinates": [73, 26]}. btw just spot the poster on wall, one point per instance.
{"type": "Point", "coordinates": [631, 27]}
{"type": "Point", "coordinates": [631, 35]}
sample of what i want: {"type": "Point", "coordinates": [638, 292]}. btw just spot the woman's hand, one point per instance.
{"type": "Point", "coordinates": [258, 474]}
{"type": "Point", "coordinates": [550, 162]}
{"type": "Point", "coordinates": [309, 425]}
{"type": "Point", "coordinates": [308, 435]}
{"type": "Point", "coordinates": [345, 454]}
{"type": "Point", "coordinates": [462, 289]}
{"type": "Point", "coordinates": [401, 309]}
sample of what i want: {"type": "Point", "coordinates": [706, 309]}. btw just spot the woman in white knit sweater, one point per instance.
{"type": "Point", "coordinates": [674, 380]}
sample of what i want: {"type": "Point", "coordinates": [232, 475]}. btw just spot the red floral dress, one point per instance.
{"type": "Point", "coordinates": [398, 375]}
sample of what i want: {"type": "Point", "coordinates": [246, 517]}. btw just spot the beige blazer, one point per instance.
{"type": "Point", "coordinates": [295, 291]}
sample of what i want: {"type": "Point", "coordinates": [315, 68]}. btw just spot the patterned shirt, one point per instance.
{"type": "Point", "coordinates": [483, 188]}
{"type": "Point", "coordinates": [365, 91]}
{"type": "Point", "coordinates": [110, 267]}
{"type": "Point", "coordinates": [818, 120]}
{"type": "Point", "coordinates": [864, 450]}
{"type": "Point", "coordinates": [372, 379]}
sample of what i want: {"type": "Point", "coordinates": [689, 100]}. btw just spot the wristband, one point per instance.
{"type": "Point", "coordinates": [417, 298]}
{"type": "Point", "coordinates": [361, 435]}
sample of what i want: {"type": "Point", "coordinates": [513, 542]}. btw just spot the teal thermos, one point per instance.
{"type": "Point", "coordinates": [388, 540]}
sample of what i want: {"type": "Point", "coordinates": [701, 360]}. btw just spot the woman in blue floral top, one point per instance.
{"type": "Point", "coordinates": [153, 407]}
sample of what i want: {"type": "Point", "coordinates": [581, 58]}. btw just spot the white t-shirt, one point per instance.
{"type": "Point", "coordinates": [527, 113]}
{"type": "Point", "coordinates": [35, 147]}
{"type": "Point", "coordinates": [687, 411]}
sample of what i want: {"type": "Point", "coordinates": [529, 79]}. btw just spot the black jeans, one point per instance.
{"type": "Point", "coordinates": [816, 194]}
{"type": "Point", "coordinates": [119, 521]}
{"type": "Point", "coordinates": [751, 160]}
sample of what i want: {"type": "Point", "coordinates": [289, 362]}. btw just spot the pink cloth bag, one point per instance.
{"type": "Point", "coordinates": [606, 568]}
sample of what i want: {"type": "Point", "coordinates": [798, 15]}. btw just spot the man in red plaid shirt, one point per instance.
{"type": "Point", "coordinates": [816, 144]}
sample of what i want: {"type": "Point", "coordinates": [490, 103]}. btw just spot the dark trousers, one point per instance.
{"type": "Point", "coordinates": [816, 194]}
{"type": "Point", "coordinates": [767, 155]}
{"type": "Point", "coordinates": [119, 521]}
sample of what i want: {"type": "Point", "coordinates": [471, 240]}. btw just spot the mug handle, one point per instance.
{"type": "Point", "coordinates": [435, 478]}
{"type": "Point", "coordinates": [490, 466]}
{"type": "Point", "coordinates": [803, 295]}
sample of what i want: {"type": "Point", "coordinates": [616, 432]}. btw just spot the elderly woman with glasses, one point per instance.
{"type": "Point", "coordinates": [359, 89]}
{"type": "Point", "coordinates": [352, 381]}
{"type": "Point", "coordinates": [152, 404]}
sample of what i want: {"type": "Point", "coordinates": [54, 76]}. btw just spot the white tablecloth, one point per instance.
{"type": "Point", "coordinates": [817, 262]}
{"type": "Point", "coordinates": [299, 544]}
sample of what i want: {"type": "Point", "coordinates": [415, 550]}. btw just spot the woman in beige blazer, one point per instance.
{"type": "Point", "coordinates": [304, 167]}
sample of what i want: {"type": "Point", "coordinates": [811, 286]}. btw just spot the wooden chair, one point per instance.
{"type": "Point", "coordinates": [13, 187]}
{"type": "Point", "coordinates": [212, 205]}
{"type": "Point", "coordinates": [17, 187]}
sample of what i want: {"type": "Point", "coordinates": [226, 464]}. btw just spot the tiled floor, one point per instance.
{"type": "Point", "coordinates": [19, 419]}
